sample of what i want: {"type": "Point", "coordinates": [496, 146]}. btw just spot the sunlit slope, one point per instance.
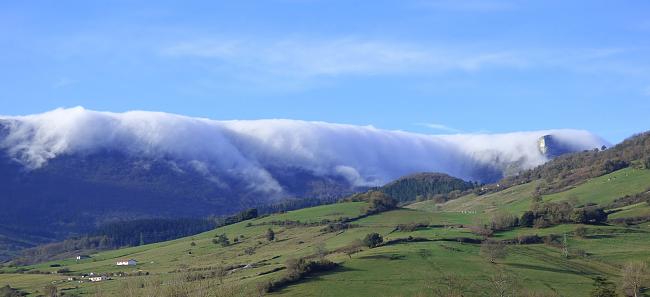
{"type": "Point", "coordinates": [600, 190]}
{"type": "Point", "coordinates": [412, 262]}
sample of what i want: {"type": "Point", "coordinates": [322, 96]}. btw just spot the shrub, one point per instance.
{"type": "Point", "coordinates": [581, 232]}
{"type": "Point", "coordinates": [270, 234]}
{"type": "Point", "coordinates": [614, 165]}
{"type": "Point", "coordinates": [481, 230]}
{"type": "Point", "coordinates": [589, 215]}
{"type": "Point", "coordinates": [493, 250]}
{"type": "Point", "coordinates": [298, 269]}
{"type": "Point", "coordinates": [552, 239]}
{"type": "Point", "coordinates": [221, 239]}
{"type": "Point", "coordinates": [410, 227]}
{"type": "Point", "coordinates": [503, 221]}
{"type": "Point", "coordinates": [8, 291]}
{"type": "Point", "coordinates": [249, 251]}
{"type": "Point", "coordinates": [372, 240]}
{"type": "Point", "coordinates": [529, 239]}
{"type": "Point", "coordinates": [380, 202]}
{"type": "Point", "coordinates": [335, 227]}
{"type": "Point", "coordinates": [541, 223]}
{"type": "Point", "coordinates": [603, 288]}
{"type": "Point", "coordinates": [527, 219]}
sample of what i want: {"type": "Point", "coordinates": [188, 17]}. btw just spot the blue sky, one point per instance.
{"type": "Point", "coordinates": [430, 66]}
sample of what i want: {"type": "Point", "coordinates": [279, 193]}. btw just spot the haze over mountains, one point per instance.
{"type": "Point", "coordinates": [67, 170]}
{"type": "Point", "coordinates": [363, 155]}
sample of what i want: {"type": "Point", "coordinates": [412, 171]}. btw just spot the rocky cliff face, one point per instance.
{"type": "Point", "coordinates": [551, 147]}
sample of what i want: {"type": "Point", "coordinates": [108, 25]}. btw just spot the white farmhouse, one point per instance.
{"type": "Point", "coordinates": [129, 262]}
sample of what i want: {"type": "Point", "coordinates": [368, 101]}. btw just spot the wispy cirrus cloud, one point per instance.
{"type": "Point", "coordinates": [291, 64]}
{"type": "Point", "coordinates": [440, 127]}
{"type": "Point", "coordinates": [343, 56]}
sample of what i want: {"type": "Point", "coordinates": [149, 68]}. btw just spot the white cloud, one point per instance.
{"type": "Point", "coordinates": [440, 127]}
{"type": "Point", "coordinates": [245, 149]}
{"type": "Point", "coordinates": [343, 56]}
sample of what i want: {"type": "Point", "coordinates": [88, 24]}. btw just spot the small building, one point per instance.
{"type": "Point", "coordinates": [98, 278]}
{"type": "Point", "coordinates": [81, 257]}
{"type": "Point", "coordinates": [129, 262]}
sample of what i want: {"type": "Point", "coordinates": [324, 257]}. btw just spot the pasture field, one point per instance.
{"type": "Point", "coordinates": [415, 262]}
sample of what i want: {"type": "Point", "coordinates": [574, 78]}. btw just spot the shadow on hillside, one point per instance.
{"type": "Point", "coordinates": [600, 236]}
{"type": "Point", "coordinates": [316, 277]}
{"type": "Point", "coordinates": [389, 257]}
{"type": "Point", "coordinates": [542, 268]}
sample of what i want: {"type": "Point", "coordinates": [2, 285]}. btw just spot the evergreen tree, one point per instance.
{"type": "Point", "coordinates": [270, 235]}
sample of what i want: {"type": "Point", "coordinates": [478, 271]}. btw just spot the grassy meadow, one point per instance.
{"type": "Point", "coordinates": [422, 267]}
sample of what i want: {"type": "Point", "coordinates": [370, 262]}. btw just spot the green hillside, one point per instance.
{"type": "Point", "coordinates": [426, 247]}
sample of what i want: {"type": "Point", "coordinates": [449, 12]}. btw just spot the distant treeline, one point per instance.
{"type": "Point", "coordinates": [426, 186]}
{"type": "Point", "coordinates": [128, 233]}
{"type": "Point", "coordinates": [143, 231]}
{"type": "Point", "coordinates": [285, 205]}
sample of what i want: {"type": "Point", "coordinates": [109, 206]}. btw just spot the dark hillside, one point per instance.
{"type": "Point", "coordinates": [424, 186]}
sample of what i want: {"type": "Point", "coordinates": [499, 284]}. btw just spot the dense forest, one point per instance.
{"type": "Point", "coordinates": [129, 233]}
{"type": "Point", "coordinates": [425, 186]}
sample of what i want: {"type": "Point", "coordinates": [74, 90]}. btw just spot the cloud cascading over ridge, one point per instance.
{"type": "Point", "coordinates": [364, 155]}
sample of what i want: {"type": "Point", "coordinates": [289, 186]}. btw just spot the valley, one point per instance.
{"type": "Point", "coordinates": [438, 255]}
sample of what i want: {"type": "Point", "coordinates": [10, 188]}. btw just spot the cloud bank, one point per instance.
{"type": "Point", "coordinates": [363, 155]}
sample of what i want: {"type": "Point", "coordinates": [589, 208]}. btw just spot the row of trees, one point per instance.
{"type": "Point", "coordinates": [541, 216]}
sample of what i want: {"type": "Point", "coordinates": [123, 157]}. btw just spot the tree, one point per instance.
{"type": "Point", "coordinates": [379, 202]}
{"type": "Point", "coordinates": [527, 219]}
{"type": "Point", "coordinates": [614, 165]}
{"type": "Point", "coordinates": [481, 229]}
{"type": "Point", "coordinates": [221, 239]}
{"type": "Point", "coordinates": [581, 232]}
{"type": "Point", "coordinates": [372, 240]}
{"type": "Point", "coordinates": [295, 267]}
{"type": "Point", "coordinates": [270, 235]}
{"type": "Point", "coordinates": [451, 285]}
{"type": "Point", "coordinates": [503, 221]}
{"type": "Point", "coordinates": [565, 247]}
{"type": "Point", "coordinates": [493, 250]}
{"type": "Point", "coordinates": [646, 163]}
{"type": "Point", "coordinates": [634, 278]}
{"type": "Point", "coordinates": [603, 288]}
{"type": "Point", "coordinates": [50, 291]}
{"type": "Point", "coordinates": [502, 284]}
{"type": "Point", "coordinates": [221, 272]}
{"type": "Point", "coordinates": [8, 291]}
{"type": "Point", "coordinates": [353, 247]}
{"type": "Point", "coordinates": [319, 250]}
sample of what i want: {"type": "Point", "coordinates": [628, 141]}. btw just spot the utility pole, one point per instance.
{"type": "Point", "coordinates": [565, 247]}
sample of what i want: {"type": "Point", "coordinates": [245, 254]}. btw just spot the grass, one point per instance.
{"type": "Point", "coordinates": [635, 210]}
{"type": "Point", "coordinates": [401, 269]}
